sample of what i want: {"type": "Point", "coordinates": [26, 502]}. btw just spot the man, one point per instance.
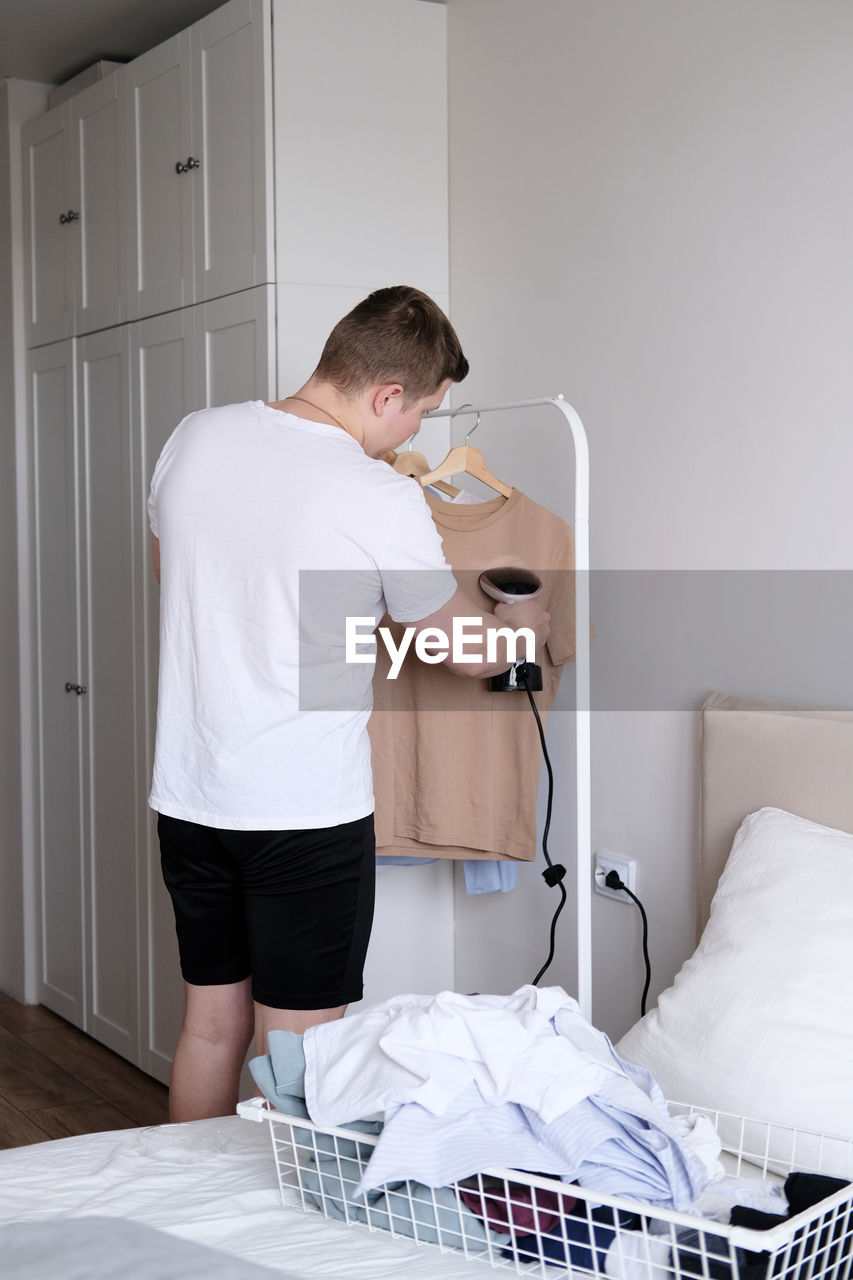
{"type": "Point", "coordinates": [265, 809]}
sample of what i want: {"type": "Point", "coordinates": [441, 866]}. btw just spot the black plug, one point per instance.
{"type": "Point", "coordinates": [614, 881]}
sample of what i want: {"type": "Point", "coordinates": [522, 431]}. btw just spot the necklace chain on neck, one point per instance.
{"type": "Point", "coordinates": [320, 409]}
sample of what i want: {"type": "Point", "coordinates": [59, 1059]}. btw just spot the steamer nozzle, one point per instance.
{"type": "Point", "coordinates": [509, 586]}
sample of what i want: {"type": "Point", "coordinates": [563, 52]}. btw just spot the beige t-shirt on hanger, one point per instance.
{"type": "Point", "coordinates": [455, 767]}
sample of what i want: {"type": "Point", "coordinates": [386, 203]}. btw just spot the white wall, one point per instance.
{"type": "Point", "coordinates": [651, 211]}
{"type": "Point", "coordinates": [399, 208]}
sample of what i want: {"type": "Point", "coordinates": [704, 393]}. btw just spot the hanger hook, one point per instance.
{"type": "Point", "coordinates": [470, 409]}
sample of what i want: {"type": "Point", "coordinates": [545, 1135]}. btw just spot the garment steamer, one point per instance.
{"type": "Point", "coordinates": [510, 586]}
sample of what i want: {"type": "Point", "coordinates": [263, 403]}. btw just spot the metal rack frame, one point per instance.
{"type": "Point", "coordinates": [583, 791]}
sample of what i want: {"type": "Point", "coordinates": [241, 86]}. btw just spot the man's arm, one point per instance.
{"type": "Point", "coordinates": [527, 613]}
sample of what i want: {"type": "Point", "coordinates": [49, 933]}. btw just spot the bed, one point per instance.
{"type": "Point", "coordinates": [204, 1199]}
{"type": "Point", "coordinates": [212, 1184]}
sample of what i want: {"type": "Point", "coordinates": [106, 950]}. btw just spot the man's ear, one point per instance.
{"type": "Point", "coordinates": [387, 393]}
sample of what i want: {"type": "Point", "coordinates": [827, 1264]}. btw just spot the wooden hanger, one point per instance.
{"type": "Point", "coordinates": [465, 458]}
{"type": "Point", "coordinates": [409, 462]}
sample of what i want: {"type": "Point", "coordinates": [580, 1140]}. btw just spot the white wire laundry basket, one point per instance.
{"type": "Point", "coordinates": [544, 1227]}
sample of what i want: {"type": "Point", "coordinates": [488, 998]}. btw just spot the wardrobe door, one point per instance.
{"type": "Point", "coordinates": [95, 190]}
{"type": "Point", "coordinates": [52, 228]}
{"type": "Point", "coordinates": [235, 338]}
{"type": "Point", "coordinates": [163, 391]}
{"type": "Point", "coordinates": [62, 679]}
{"type": "Point", "coordinates": [158, 185]}
{"type": "Point", "coordinates": [115, 784]}
{"type": "Point", "coordinates": [232, 142]}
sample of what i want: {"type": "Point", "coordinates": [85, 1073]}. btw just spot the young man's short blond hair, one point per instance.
{"type": "Point", "coordinates": [395, 335]}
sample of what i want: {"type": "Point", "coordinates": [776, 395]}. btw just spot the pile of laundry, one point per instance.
{"type": "Point", "coordinates": [450, 1086]}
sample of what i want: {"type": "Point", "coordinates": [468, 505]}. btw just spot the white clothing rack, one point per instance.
{"type": "Point", "coordinates": [583, 837]}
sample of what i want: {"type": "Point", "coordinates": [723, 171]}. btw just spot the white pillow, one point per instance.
{"type": "Point", "coordinates": [759, 1021]}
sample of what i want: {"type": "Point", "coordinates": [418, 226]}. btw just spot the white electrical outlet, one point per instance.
{"type": "Point", "coordinates": [626, 869]}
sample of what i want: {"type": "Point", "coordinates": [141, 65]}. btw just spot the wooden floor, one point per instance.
{"type": "Point", "coordinates": [56, 1082]}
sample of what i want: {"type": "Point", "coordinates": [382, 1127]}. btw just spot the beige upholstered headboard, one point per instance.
{"type": "Point", "coordinates": [768, 753]}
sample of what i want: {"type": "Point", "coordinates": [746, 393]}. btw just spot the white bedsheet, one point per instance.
{"type": "Point", "coordinates": [213, 1182]}
{"type": "Point", "coordinates": [114, 1249]}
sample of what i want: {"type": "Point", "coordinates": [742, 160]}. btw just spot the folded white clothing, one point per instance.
{"type": "Point", "coordinates": [429, 1049]}
{"type": "Point", "coordinates": [511, 1086]}
{"type": "Point", "coordinates": [720, 1197]}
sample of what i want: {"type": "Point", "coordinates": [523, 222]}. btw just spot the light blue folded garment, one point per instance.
{"type": "Point", "coordinates": [330, 1178]}
{"type": "Point", "coordinates": [280, 1074]}
{"type": "Point", "coordinates": [490, 877]}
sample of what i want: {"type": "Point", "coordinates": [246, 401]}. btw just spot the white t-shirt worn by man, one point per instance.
{"type": "Point", "coordinates": [266, 520]}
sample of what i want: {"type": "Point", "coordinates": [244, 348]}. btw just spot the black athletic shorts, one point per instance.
{"type": "Point", "coordinates": [291, 909]}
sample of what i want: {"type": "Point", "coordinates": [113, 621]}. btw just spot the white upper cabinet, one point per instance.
{"type": "Point", "coordinates": [152, 189]}
{"type": "Point", "coordinates": [71, 209]}
{"type": "Point", "coordinates": [52, 227]}
{"type": "Point", "coordinates": [232, 140]}
{"type": "Point", "coordinates": [197, 195]}
{"type": "Point", "coordinates": [184, 178]}
{"type": "Point", "coordinates": [157, 184]}
{"type": "Point", "coordinates": [94, 157]}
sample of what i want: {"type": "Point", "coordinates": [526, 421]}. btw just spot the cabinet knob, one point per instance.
{"type": "Point", "coordinates": [191, 163]}
{"type": "Point", "coordinates": [70, 216]}
{"type": "Point", "coordinates": [70, 687]}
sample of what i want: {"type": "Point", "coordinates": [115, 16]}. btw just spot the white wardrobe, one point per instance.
{"type": "Point", "coordinates": [194, 223]}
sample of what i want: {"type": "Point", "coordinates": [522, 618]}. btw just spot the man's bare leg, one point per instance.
{"type": "Point", "coordinates": [215, 1037]}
